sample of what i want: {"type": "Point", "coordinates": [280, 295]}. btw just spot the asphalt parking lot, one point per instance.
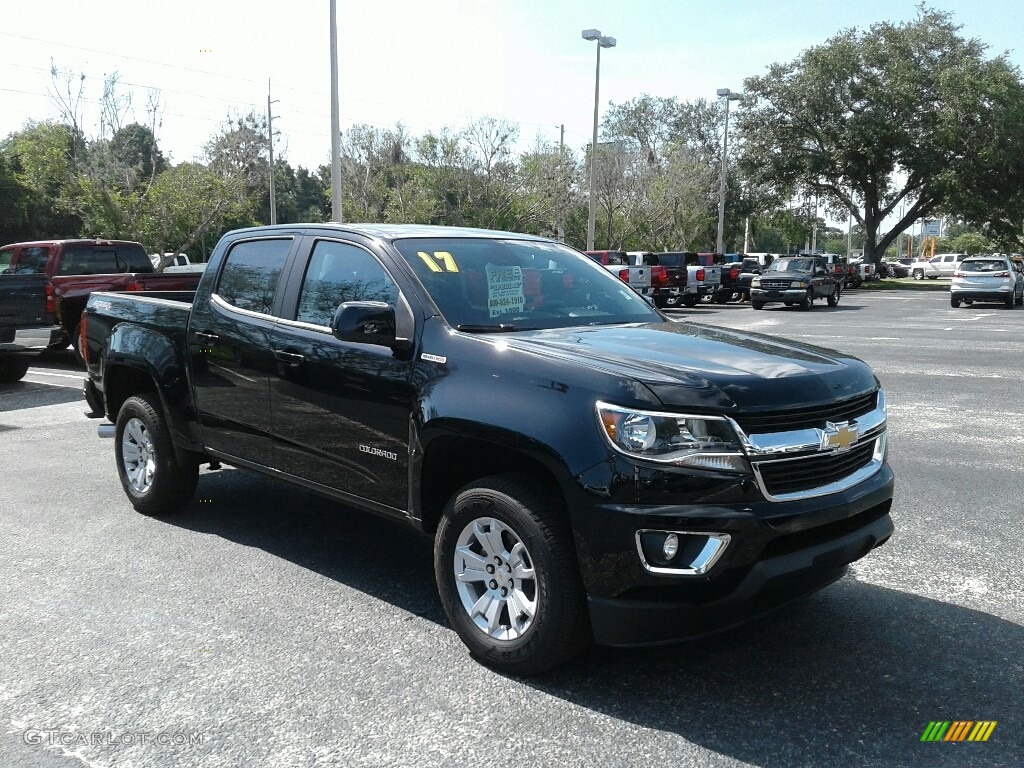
{"type": "Point", "coordinates": [266, 626]}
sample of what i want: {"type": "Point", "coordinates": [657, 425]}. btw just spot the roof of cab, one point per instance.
{"type": "Point", "coordinates": [394, 231]}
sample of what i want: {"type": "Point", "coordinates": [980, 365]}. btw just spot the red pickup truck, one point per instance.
{"type": "Point", "coordinates": [44, 286]}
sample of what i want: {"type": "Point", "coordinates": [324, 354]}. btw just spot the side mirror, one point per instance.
{"type": "Point", "coordinates": [365, 322]}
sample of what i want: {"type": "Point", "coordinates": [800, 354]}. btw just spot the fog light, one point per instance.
{"type": "Point", "coordinates": [671, 546]}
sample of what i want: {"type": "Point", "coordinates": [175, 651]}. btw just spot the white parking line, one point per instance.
{"type": "Point", "coordinates": [36, 372]}
{"type": "Point", "coordinates": [50, 384]}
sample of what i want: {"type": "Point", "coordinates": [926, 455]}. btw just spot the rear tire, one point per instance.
{"type": "Point", "coordinates": [954, 302]}
{"type": "Point", "coordinates": [508, 577]}
{"type": "Point", "coordinates": [689, 301]}
{"type": "Point", "coordinates": [76, 344]}
{"type": "Point", "coordinates": [12, 368]}
{"type": "Point", "coordinates": [154, 480]}
{"type": "Point", "coordinates": [1010, 302]}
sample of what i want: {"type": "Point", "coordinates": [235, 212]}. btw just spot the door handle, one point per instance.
{"type": "Point", "coordinates": [206, 339]}
{"type": "Point", "coordinates": [289, 358]}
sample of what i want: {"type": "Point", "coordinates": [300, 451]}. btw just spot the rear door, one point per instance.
{"type": "Point", "coordinates": [341, 410]}
{"type": "Point", "coordinates": [229, 336]}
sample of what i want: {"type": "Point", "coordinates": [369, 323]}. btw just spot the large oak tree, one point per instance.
{"type": "Point", "coordinates": [908, 117]}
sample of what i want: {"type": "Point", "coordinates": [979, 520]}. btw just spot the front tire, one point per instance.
{"type": "Point", "coordinates": [156, 482]}
{"type": "Point", "coordinates": [808, 301]}
{"type": "Point", "coordinates": [757, 304]}
{"type": "Point", "coordinates": [833, 298]}
{"type": "Point", "coordinates": [507, 575]}
{"type": "Point", "coordinates": [919, 274]}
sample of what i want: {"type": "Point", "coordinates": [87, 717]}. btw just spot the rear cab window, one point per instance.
{"type": "Point", "coordinates": [103, 259]}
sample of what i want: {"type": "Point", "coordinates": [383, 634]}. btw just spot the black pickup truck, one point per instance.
{"type": "Point", "coordinates": [796, 280]}
{"type": "Point", "coordinates": [28, 325]}
{"type": "Point", "coordinates": [588, 469]}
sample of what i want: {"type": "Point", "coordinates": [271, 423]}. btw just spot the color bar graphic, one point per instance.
{"type": "Point", "coordinates": [958, 730]}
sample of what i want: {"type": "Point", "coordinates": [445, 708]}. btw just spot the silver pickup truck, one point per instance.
{"type": "Point", "coordinates": [638, 277]}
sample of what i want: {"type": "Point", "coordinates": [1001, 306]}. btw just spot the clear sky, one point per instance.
{"type": "Point", "coordinates": [425, 64]}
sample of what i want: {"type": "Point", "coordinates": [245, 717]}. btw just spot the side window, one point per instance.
{"type": "Point", "coordinates": [251, 273]}
{"type": "Point", "coordinates": [5, 259]}
{"type": "Point", "coordinates": [32, 261]}
{"type": "Point", "coordinates": [340, 272]}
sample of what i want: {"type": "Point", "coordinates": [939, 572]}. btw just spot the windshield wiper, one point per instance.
{"type": "Point", "coordinates": [499, 328]}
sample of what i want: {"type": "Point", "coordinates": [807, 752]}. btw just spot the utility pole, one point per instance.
{"type": "Point", "coordinates": [814, 226]}
{"type": "Point", "coordinates": [336, 214]}
{"type": "Point", "coordinates": [270, 144]}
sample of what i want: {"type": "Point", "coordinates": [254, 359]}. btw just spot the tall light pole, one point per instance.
{"type": "Point", "coordinates": [602, 42]}
{"type": "Point", "coordinates": [335, 120]}
{"type": "Point", "coordinates": [729, 96]}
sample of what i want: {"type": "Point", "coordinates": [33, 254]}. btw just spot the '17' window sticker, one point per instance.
{"type": "Point", "coordinates": [441, 261]}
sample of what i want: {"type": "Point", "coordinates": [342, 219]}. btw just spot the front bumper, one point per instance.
{"type": "Point", "coordinates": [778, 552]}
{"type": "Point", "coordinates": [30, 339]}
{"type": "Point", "coordinates": [768, 295]}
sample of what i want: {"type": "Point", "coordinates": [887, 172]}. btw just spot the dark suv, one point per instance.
{"type": "Point", "coordinates": [795, 280]}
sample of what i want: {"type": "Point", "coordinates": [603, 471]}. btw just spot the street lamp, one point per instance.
{"type": "Point", "coordinates": [729, 96]}
{"type": "Point", "coordinates": [602, 42]}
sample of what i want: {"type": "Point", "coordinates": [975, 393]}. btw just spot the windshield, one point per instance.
{"type": "Point", "coordinates": [792, 265]}
{"type": "Point", "coordinates": [490, 284]}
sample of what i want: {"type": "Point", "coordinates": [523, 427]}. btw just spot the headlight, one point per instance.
{"type": "Point", "coordinates": [800, 284]}
{"type": "Point", "coordinates": [755, 283]}
{"type": "Point", "coordinates": [673, 438]}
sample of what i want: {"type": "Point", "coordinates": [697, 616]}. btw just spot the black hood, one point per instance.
{"type": "Point", "coordinates": [691, 365]}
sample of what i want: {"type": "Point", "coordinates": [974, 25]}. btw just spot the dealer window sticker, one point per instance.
{"type": "Point", "coordinates": [504, 290]}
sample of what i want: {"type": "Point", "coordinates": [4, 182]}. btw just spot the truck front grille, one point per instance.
{"type": "Point", "coordinates": [809, 417]}
{"type": "Point", "coordinates": [775, 285]}
{"type": "Point", "coordinates": [807, 473]}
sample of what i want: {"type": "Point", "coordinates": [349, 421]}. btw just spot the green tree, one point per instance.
{"type": "Point", "coordinates": [910, 112]}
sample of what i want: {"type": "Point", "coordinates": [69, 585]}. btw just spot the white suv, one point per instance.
{"type": "Point", "coordinates": [987, 278]}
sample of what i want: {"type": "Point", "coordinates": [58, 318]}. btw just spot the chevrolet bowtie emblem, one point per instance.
{"type": "Point", "coordinates": [838, 436]}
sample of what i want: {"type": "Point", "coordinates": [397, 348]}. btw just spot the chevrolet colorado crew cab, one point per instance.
{"type": "Point", "coordinates": [795, 280]}
{"type": "Point", "coordinates": [587, 468]}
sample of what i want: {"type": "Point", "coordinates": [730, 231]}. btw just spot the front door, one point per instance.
{"type": "Point", "coordinates": [341, 410]}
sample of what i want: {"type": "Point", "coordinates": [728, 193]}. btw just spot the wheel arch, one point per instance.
{"type": "Point", "coordinates": [451, 461]}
